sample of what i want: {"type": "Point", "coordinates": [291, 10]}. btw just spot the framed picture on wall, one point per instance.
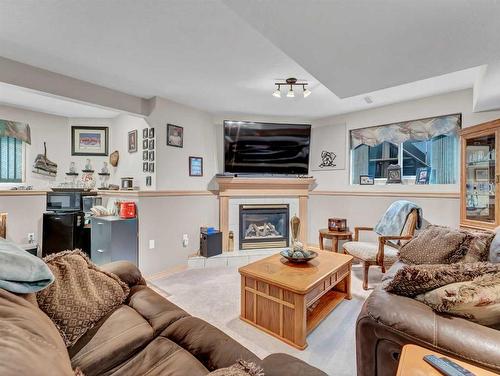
{"type": "Point", "coordinates": [422, 175]}
{"type": "Point", "coordinates": [175, 136]}
{"type": "Point", "coordinates": [148, 181]}
{"type": "Point", "coordinates": [145, 167]}
{"type": "Point", "coordinates": [145, 132]}
{"type": "Point", "coordinates": [151, 144]}
{"type": "Point", "coordinates": [151, 167]}
{"type": "Point", "coordinates": [195, 166]}
{"type": "Point", "coordinates": [132, 141]}
{"type": "Point", "coordinates": [366, 180]}
{"type": "Point", "coordinates": [152, 156]}
{"type": "Point", "coordinates": [145, 155]}
{"type": "Point", "coordinates": [91, 141]}
{"type": "Point", "coordinates": [151, 133]}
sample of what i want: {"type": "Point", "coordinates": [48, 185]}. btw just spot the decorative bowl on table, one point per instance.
{"type": "Point", "coordinates": [298, 254]}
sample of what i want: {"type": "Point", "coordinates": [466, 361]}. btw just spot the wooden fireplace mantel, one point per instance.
{"type": "Point", "coordinates": [231, 187]}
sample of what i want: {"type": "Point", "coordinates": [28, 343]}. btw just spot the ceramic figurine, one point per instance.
{"type": "Point", "coordinates": [104, 169]}
{"type": "Point", "coordinates": [88, 165]}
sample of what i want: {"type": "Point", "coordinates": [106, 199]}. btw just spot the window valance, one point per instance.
{"type": "Point", "coordinates": [415, 130]}
{"type": "Point", "coordinates": [20, 131]}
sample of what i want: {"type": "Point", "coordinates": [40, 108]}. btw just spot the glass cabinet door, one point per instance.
{"type": "Point", "coordinates": [480, 178]}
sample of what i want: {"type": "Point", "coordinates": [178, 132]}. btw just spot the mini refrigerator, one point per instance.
{"type": "Point", "coordinates": [64, 231]}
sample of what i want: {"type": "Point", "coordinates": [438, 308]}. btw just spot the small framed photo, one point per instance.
{"type": "Point", "coordinates": [148, 181]}
{"type": "Point", "coordinates": [366, 180]}
{"type": "Point", "coordinates": [145, 132]}
{"type": "Point", "coordinates": [145, 144]}
{"type": "Point", "coordinates": [145, 155]}
{"type": "Point", "coordinates": [145, 167]}
{"type": "Point", "coordinates": [175, 136]}
{"type": "Point", "coordinates": [195, 166]}
{"type": "Point", "coordinates": [151, 167]}
{"type": "Point", "coordinates": [151, 156]}
{"type": "Point", "coordinates": [132, 141]}
{"type": "Point", "coordinates": [423, 175]}
{"type": "Point", "coordinates": [89, 141]}
{"type": "Point", "coordinates": [394, 174]}
{"type": "Point", "coordinates": [482, 174]}
{"type": "Point", "coordinates": [151, 133]}
{"type": "Point", "coordinates": [151, 144]}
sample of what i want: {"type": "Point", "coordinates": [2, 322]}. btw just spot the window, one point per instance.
{"type": "Point", "coordinates": [431, 143]}
{"type": "Point", "coordinates": [11, 160]}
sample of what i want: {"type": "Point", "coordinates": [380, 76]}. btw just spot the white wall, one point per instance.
{"type": "Point", "coordinates": [129, 164]}
{"type": "Point", "coordinates": [457, 102]}
{"type": "Point", "coordinates": [199, 141]}
{"type": "Point", "coordinates": [56, 132]}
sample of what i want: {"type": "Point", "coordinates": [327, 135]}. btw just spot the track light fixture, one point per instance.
{"type": "Point", "coordinates": [291, 82]}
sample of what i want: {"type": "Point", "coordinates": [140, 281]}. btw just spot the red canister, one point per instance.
{"type": "Point", "coordinates": [127, 209]}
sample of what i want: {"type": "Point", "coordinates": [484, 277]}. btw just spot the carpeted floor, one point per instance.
{"type": "Point", "coordinates": [213, 294]}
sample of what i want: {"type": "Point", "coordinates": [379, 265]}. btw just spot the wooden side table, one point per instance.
{"type": "Point", "coordinates": [412, 363]}
{"type": "Point", "coordinates": [335, 236]}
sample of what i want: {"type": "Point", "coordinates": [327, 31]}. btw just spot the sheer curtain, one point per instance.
{"type": "Point", "coordinates": [444, 160]}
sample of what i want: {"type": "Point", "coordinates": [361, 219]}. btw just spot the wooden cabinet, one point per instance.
{"type": "Point", "coordinates": [480, 176]}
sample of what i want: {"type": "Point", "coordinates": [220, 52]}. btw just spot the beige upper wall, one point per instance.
{"type": "Point", "coordinates": [457, 102]}
{"type": "Point", "coordinates": [200, 140]}
{"type": "Point", "coordinates": [56, 132]}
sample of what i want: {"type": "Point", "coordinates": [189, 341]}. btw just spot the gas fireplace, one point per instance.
{"type": "Point", "coordinates": [264, 226]}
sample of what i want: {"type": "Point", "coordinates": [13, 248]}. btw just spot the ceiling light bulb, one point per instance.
{"type": "Point", "coordinates": [277, 93]}
{"type": "Point", "coordinates": [306, 92]}
{"type": "Point", "coordinates": [290, 93]}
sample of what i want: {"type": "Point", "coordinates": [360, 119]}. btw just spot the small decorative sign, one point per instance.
{"type": "Point", "coordinates": [394, 174]}
{"type": "Point", "coordinates": [423, 175]}
{"type": "Point", "coordinates": [366, 180]}
{"type": "Point", "coordinates": [327, 159]}
{"type": "Point", "coordinates": [195, 166]}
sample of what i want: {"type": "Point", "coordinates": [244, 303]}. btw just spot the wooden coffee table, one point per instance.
{"type": "Point", "coordinates": [289, 300]}
{"type": "Point", "coordinates": [335, 236]}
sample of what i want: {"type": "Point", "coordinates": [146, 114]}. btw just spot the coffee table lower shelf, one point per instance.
{"type": "Point", "coordinates": [325, 305]}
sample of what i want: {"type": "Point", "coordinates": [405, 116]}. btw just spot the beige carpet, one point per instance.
{"type": "Point", "coordinates": [213, 294]}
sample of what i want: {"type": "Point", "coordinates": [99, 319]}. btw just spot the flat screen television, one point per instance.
{"type": "Point", "coordinates": [266, 148]}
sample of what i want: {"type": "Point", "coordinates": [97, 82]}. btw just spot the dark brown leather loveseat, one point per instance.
{"type": "Point", "coordinates": [146, 336]}
{"type": "Point", "coordinates": [387, 322]}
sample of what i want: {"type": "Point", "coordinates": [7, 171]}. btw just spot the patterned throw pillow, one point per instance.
{"type": "Point", "coordinates": [477, 300]}
{"type": "Point", "coordinates": [81, 294]}
{"type": "Point", "coordinates": [476, 246]}
{"type": "Point", "coordinates": [433, 245]}
{"type": "Point", "coordinates": [412, 280]}
{"type": "Point", "coordinates": [242, 368]}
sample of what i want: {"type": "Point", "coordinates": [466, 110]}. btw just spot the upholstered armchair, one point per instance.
{"type": "Point", "coordinates": [384, 251]}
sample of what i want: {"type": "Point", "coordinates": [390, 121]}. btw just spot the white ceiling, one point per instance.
{"type": "Point", "coordinates": [31, 100]}
{"type": "Point", "coordinates": [223, 56]}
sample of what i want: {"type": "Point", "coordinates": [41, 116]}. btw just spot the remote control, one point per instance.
{"type": "Point", "coordinates": [447, 366]}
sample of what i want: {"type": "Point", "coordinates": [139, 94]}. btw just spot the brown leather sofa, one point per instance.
{"type": "Point", "coordinates": [146, 336]}
{"type": "Point", "coordinates": [387, 322]}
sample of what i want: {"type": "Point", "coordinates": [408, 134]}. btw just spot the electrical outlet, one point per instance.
{"type": "Point", "coordinates": [185, 240]}
{"type": "Point", "coordinates": [31, 237]}
{"type": "Point", "coordinates": [151, 244]}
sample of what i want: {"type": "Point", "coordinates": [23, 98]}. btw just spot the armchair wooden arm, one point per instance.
{"type": "Point", "coordinates": [382, 241]}
{"type": "Point", "coordinates": [358, 229]}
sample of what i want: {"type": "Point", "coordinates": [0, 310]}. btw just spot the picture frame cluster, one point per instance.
{"type": "Point", "coordinates": [148, 153]}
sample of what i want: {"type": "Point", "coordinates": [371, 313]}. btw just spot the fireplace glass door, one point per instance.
{"type": "Point", "coordinates": [264, 226]}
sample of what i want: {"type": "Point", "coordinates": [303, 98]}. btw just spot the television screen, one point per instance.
{"type": "Point", "coordinates": [266, 148]}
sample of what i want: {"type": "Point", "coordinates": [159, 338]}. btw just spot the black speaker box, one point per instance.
{"type": "Point", "coordinates": [210, 244]}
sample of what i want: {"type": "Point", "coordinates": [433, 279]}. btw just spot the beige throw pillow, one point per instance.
{"type": "Point", "coordinates": [81, 294]}
{"type": "Point", "coordinates": [433, 245]}
{"type": "Point", "coordinates": [477, 300]}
